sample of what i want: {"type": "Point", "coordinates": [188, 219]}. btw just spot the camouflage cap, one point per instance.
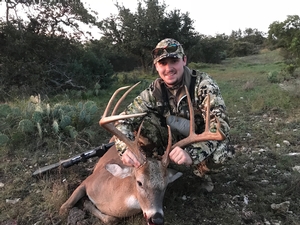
{"type": "Point", "coordinates": [167, 48]}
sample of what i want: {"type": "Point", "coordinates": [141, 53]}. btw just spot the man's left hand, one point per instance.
{"type": "Point", "coordinates": [180, 157]}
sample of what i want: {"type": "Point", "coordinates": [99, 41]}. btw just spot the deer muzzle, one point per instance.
{"type": "Point", "coordinates": [156, 219]}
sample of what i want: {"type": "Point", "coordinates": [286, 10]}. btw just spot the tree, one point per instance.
{"type": "Point", "coordinates": [286, 35]}
{"type": "Point", "coordinates": [209, 49]}
{"type": "Point", "coordinates": [51, 18]}
{"type": "Point", "coordinates": [254, 36]}
{"type": "Point", "coordinates": [243, 43]}
{"type": "Point", "coordinates": [137, 33]}
{"type": "Point", "coordinates": [282, 34]}
{"type": "Point", "coordinates": [39, 55]}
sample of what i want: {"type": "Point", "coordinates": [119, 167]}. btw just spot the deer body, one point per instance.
{"type": "Point", "coordinates": [117, 191]}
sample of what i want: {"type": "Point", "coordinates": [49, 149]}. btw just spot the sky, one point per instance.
{"type": "Point", "coordinates": [213, 17]}
{"type": "Point", "coordinates": [210, 17]}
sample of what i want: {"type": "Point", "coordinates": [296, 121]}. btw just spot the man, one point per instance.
{"type": "Point", "coordinates": [164, 100]}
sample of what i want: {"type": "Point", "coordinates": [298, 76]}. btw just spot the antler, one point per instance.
{"type": "Point", "coordinates": [108, 123]}
{"type": "Point", "coordinates": [165, 158]}
{"type": "Point", "coordinates": [193, 137]}
{"type": "Point", "coordinates": [207, 134]}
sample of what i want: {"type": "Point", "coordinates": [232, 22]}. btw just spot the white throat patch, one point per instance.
{"type": "Point", "coordinates": [132, 202]}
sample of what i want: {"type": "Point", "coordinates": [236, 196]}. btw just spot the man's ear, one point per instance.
{"type": "Point", "coordinates": [184, 59]}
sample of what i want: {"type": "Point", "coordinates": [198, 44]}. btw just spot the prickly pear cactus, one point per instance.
{"type": "Point", "coordinates": [65, 121]}
{"type": "Point", "coordinates": [42, 120]}
{"type": "Point", "coordinates": [4, 110]}
{"type": "Point", "coordinates": [3, 139]}
{"type": "Point", "coordinates": [89, 109]}
{"type": "Point", "coordinates": [55, 126]}
{"type": "Point", "coordinates": [26, 126]}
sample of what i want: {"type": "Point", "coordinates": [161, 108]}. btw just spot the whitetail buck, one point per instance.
{"type": "Point", "coordinates": [117, 191]}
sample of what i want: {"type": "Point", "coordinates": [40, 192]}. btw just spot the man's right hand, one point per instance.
{"type": "Point", "coordinates": [129, 159]}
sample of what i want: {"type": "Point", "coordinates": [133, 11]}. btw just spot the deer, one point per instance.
{"type": "Point", "coordinates": [116, 191]}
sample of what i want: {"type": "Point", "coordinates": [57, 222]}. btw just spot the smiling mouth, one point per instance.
{"type": "Point", "coordinates": [170, 75]}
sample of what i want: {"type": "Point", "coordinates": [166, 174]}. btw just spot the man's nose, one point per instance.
{"type": "Point", "coordinates": [169, 65]}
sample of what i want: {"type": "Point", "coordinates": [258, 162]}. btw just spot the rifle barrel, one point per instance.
{"type": "Point", "coordinates": [98, 151]}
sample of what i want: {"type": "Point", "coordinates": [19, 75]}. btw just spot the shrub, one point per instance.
{"type": "Point", "coordinates": [273, 77]}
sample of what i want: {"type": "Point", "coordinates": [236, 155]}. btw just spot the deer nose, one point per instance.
{"type": "Point", "coordinates": [157, 219]}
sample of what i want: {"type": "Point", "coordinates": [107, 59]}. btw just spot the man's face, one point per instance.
{"type": "Point", "coordinates": [171, 70]}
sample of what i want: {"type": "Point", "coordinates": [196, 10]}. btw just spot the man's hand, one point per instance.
{"type": "Point", "coordinates": [180, 157]}
{"type": "Point", "coordinates": [129, 159]}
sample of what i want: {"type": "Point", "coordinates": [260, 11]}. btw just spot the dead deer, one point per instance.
{"type": "Point", "coordinates": [117, 191]}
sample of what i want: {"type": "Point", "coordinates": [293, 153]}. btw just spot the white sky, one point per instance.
{"type": "Point", "coordinates": [210, 17]}
{"type": "Point", "coordinates": [217, 16]}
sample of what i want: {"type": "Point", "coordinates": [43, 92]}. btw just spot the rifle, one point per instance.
{"type": "Point", "coordinates": [98, 151]}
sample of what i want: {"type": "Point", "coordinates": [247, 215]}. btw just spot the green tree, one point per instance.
{"type": "Point", "coordinates": [137, 33]}
{"type": "Point", "coordinates": [254, 36]}
{"type": "Point", "coordinates": [243, 43]}
{"type": "Point", "coordinates": [286, 35]}
{"type": "Point", "coordinates": [50, 17]}
{"type": "Point", "coordinates": [209, 49]}
{"type": "Point", "coordinates": [116, 56]}
{"type": "Point", "coordinates": [39, 55]}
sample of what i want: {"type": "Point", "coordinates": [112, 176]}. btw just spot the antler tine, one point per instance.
{"type": "Point", "coordinates": [113, 117]}
{"type": "Point", "coordinates": [207, 134]}
{"type": "Point", "coordinates": [123, 97]}
{"type": "Point", "coordinates": [111, 100]}
{"type": "Point", "coordinates": [165, 158]}
{"type": "Point", "coordinates": [108, 123]}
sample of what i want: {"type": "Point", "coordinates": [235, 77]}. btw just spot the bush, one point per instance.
{"type": "Point", "coordinates": [273, 77]}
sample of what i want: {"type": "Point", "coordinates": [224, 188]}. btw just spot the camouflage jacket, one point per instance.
{"type": "Point", "coordinates": [159, 102]}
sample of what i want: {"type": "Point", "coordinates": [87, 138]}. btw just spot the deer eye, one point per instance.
{"type": "Point", "coordinates": [139, 183]}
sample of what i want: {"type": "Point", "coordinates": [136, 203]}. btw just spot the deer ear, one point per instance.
{"type": "Point", "coordinates": [173, 175]}
{"type": "Point", "coordinates": [118, 171]}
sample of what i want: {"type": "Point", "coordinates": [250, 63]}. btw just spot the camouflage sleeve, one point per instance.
{"type": "Point", "coordinates": [142, 103]}
{"type": "Point", "coordinates": [218, 150]}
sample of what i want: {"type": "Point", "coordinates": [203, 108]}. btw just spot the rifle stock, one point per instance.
{"type": "Point", "coordinates": [98, 151]}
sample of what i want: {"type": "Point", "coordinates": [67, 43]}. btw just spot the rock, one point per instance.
{"type": "Point", "coordinates": [281, 207]}
{"type": "Point", "coordinates": [296, 168]}
{"type": "Point", "coordinates": [286, 143]}
{"type": "Point", "coordinates": [265, 181]}
{"type": "Point", "coordinates": [293, 153]}
{"type": "Point", "coordinates": [12, 201]}
{"type": "Point", "coordinates": [207, 183]}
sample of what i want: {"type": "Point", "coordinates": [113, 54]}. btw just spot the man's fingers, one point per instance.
{"type": "Point", "coordinates": [129, 159]}
{"type": "Point", "coordinates": [179, 156]}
